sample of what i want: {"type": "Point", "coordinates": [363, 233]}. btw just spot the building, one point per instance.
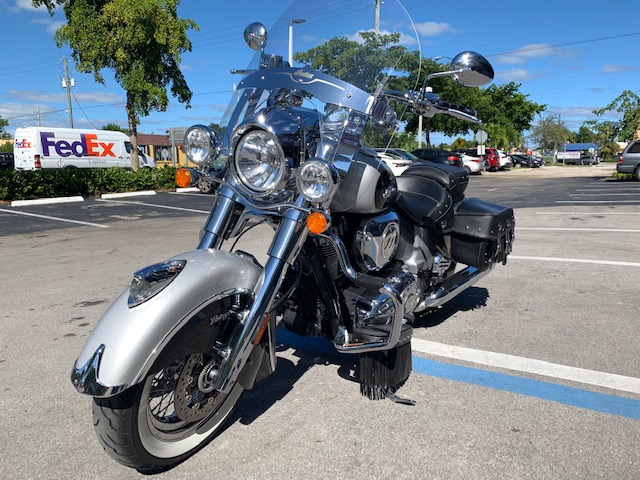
{"type": "Point", "coordinates": [162, 149]}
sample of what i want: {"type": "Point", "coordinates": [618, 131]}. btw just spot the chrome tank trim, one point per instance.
{"type": "Point", "coordinates": [452, 287]}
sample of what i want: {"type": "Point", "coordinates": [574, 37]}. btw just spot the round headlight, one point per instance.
{"type": "Point", "coordinates": [201, 144]}
{"type": "Point", "coordinates": [317, 180]}
{"type": "Point", "coordinates": [259, 161]}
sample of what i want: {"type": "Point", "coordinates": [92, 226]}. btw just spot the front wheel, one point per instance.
{"type": "Point", "coordinates": [166, 418]}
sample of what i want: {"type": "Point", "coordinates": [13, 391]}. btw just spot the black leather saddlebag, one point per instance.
{"type": "Point", "coordinates": [426, 202]}
{"type": "Point", "coordinates": [483, 233]}
{"type": "Point", "coordinates": [454, 179]}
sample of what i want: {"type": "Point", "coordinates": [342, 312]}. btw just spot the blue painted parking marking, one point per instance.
{"type": "Point", "coordinates": [599, 402]}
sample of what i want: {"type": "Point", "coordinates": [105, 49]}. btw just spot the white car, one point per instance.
{"type": "Point", "coordinates": [505, 161]}
{"type": "Point", "coordinates": [397, 160]}
{"type": "Point", "coordinates": [473, 165]}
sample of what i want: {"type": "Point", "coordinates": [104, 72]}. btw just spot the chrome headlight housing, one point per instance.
{"type": "Point", "coordinates": [317, 180]}
{"type": "Point", "coordinates": [259, 162]}
{"type": "Point", "coordinates": [151, 280]}
{"type": "Point", "coordinates": [201, 144]}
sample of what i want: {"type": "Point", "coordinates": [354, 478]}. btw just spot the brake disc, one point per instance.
{"type": "Point", "coordinates": [191, 403]}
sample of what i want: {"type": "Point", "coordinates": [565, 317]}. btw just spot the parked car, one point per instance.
{"type": "Point", "coordinates": [396, 159]}
{"type": "Point", "coordinates": [6, 160]}
{"type": "Point", "coordinates": [491, 154]}
{"type": "Point", "coordinates": [522, 160]}
{"type": "Point", "coordinates": [505, 161]}
{"type": "Point", "coordinates": [472, 162]}
{"type": "Point", "coordinates": [439, 156]}
{"type": "Point", "coordinates": [629, 161]}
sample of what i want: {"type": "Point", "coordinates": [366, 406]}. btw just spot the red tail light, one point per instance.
{"type": "Point", "coordinates": [453, 158]}
{"type": "Point", "coordinates": [37, 164]}
{"type": "Point", "coordinates": [621, 159]}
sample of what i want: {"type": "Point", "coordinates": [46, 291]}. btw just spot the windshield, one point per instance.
{"type": "Point", "coordinates": [339, 65]}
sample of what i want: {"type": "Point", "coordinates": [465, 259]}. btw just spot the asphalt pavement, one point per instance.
{"type": "Point", "coordinates": [532, 373]}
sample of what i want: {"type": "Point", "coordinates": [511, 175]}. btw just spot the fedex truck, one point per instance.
{"type": "Point", "coordinates": [37, 148]}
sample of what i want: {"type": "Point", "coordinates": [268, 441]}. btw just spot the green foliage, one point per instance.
{"type": "Point", "coordinates": [505, 111]}
{"type": "Point", "coordinates": [27, 185]}
{"type": "Point", "coordinates": [141, 42]}
{"type": "Point", "coordinates": [114, 127]}
{"type": "Point", "coordinates": [551, 132]}
{"type": "Point", "coordinates": [628, 104]}
{"type": "Point", "coordinates": [338, 56]}
{"type": "Point", "coordinates": [6, 147]}
{"type": "Point", "coordinates": [3, 123]}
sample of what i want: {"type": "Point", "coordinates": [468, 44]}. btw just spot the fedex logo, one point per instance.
{"type": "Point", "coordinates": [87, 146]}
{"type": "Point", "coordinates": [24, 143]}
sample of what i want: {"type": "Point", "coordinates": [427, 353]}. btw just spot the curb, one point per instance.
{"type": "Point", "coordinates": [46, 201]}
{"type": "Point", "coordinates": [188, 189]}
{"type": "Point", "coordinates": [128, 194]}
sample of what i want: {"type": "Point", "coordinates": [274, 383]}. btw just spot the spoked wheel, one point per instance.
{"type": "Point", "coordinates": [166, 418]}
{"type": "Point", "coordinates": [206, 185]}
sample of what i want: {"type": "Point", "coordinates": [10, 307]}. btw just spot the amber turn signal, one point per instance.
{"type": "Point", "coordinates": [183, 178]}
{"type": "Point", "coordinates": [317, 223]}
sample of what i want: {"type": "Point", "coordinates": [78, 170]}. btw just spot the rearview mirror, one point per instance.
{"type": "Point", "coordinates": [471, 69]}
{"type": "Point", "coordinates": [256, 36]}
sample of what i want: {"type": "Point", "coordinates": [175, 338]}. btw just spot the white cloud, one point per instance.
{"type": "Point", "coordinates": [28, 6]}
{"type": "Point", "coordinates": [616, 68]}
{"type": "Point", "coordinates": [528, 52]}
{"type": "Point", "coordinates": [514, 75]}
{"type": "Point", "coordinates": [95, 97]}
{"type": "Point", "coordinates": [51, 24]}
{"type": "Point", "coordinates": [433, 29]}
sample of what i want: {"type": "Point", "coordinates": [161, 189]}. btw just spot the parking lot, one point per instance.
{"type": "Point", "coordinates": [532, 373]}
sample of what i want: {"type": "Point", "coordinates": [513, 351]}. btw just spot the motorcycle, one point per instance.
{"type": "Point", "coordinates": [356, 253]}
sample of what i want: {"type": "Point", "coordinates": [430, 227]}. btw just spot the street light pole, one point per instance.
{"type": "Point", "coordinates": [295, 20]}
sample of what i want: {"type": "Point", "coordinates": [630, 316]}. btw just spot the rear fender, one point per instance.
{"type": "Point", "coordinates": [127, 341]}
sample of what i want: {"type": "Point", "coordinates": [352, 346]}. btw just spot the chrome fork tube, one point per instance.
{"type": "Point", "coordinates": [286, 245]}
{"type": "Point", "coordinates": [219, 218]}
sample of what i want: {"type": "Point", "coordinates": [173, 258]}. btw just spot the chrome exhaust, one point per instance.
{"type": "Point", "coordinates": [452, 287]}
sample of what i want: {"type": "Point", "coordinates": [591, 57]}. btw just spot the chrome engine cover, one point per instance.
{"type": "Point", "coordinates": [376, 307]}
{"type": "Point", "coordinates": [376, 241]}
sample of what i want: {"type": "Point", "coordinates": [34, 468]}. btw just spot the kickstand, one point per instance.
{"type": "Point", "coordinates": [402, 401]}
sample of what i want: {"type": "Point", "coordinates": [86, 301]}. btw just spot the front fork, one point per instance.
{"type": "Point", "coordinates": [285, 247]}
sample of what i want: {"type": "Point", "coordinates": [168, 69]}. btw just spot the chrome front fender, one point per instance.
{"type": "Point", "coordinates": [126, 341]}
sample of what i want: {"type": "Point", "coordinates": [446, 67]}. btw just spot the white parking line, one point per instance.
{"type": "Point", "coordinates": [156, 206]}
{"type": "Point", "coordinates": [598, 201]}
{"type": "Point", "coordinates": [58, 219]}
{"type": "Point", "coordinates": [528, 365]}
{"type": "Point", "coordinates": [587, 213]}
{"type": "Point", "coordinates": [604, 194]}
{"type": "Point", "coordinates": [575, 260]}
{"type": "Point", "coordinates": [554, 229]}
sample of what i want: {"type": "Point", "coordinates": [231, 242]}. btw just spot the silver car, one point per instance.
{"type": "Point", "coordinates": [629, 161]}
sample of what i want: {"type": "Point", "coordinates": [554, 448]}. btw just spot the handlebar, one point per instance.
{"type": "Point", "coordinates": [429, 104]}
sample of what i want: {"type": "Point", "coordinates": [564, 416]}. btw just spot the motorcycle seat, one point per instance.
{"type": "Point", "coordinates": [454, 179]}
{"type": "Point", "coordinates": [426, 202]}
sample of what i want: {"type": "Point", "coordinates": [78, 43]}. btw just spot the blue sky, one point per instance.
{"type": "Point", "coordinates": [573, 56]}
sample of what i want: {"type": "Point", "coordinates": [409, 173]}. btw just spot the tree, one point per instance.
{"type": "Point", "coordinates": [603, 134]}
{"type": "Point", "coordinates": [3, 123]}
{"type": "Point", "coordinates": [140, 41]}
{"type": "Point", "coordinates": [115, 128]}
{"type": "Point", "coordinates": [628, 103]}
{"type": "Point", "coordinates": [550, 132]}
{"type": "Point", "coordinates": [504, 110]}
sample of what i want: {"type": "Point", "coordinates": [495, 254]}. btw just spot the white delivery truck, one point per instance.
{"type": "Point", "coordinates": [37, 148]}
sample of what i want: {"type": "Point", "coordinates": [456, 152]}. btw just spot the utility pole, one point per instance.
{"type": "Point", "coordinates": [38, 110]}
{"type": "Point", "coordinates": [378, 17]}
{"type": "Point", "coordinates": [66, 83]}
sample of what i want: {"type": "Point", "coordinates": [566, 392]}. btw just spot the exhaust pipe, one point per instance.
{"type": "Point", "coordinates": [452, 287]}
